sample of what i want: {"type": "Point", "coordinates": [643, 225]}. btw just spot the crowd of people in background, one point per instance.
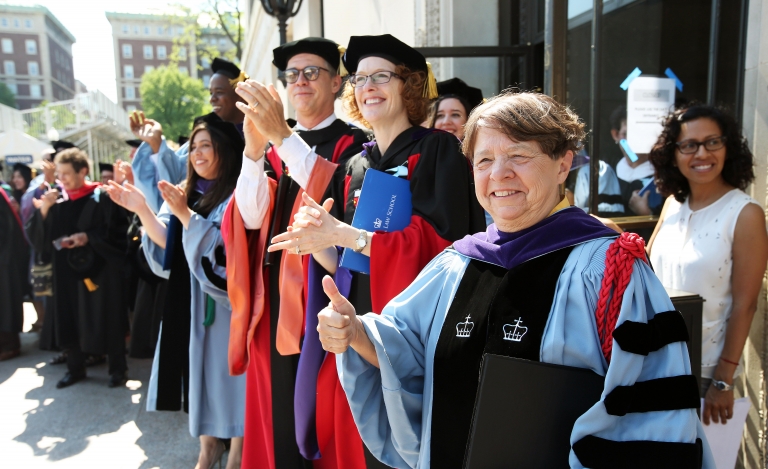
{"type": "Point", "coordinates": [230, 239]}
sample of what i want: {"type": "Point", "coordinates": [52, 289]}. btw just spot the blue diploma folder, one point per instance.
{"type": "Point", "coordinates": [384, 205]}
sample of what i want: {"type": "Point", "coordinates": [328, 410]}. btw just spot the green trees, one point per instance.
{"type": "Point", "coordinates": [173, 99]}
{"type": "Point", "coordinates": [6, 96]}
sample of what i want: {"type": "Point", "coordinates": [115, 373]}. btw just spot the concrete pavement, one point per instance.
{"type": "Point", "coordinates": [87, 425]}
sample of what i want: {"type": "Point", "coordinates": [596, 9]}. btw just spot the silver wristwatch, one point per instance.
{"type": "Point", "coordinates": [362, 241]}
{"type": "Point", "coordinates": [722, 385]}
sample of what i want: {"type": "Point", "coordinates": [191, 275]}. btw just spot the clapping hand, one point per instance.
{"type": "Point", "coordinates": [264, 108]}
{"type": "Point", "coordinates": [49, 171]}
{"type": "Point", "coordinates": [127, 196]}
{"type": "Point", "coordinates": [176, 199]}
{"type": "Point", "coordinates": [123, 172]}
{"type": "Point", "coordinates": [313, 229]}
{"type": "Point", "coordinates": [148, 130]}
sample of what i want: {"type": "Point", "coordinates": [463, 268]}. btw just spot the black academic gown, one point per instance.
{"type": "Point", "coordinates": [95, 319]}
{"type": "Point", "coordinates": [14, 269]}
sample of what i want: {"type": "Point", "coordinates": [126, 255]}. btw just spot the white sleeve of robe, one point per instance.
{"type": "Point", "coordinates": [252, 193]}
{"type": "Point", "coordinates": [392, 406]}
{"type": "Point", "coordinates": [201, 240]}
{"type": "Point", "coordinates": [150, 168]}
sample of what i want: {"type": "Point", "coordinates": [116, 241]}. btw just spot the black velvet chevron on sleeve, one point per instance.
{"type": "Point", "coordinates": [218, 282]}
{"type": "Point", "coordinates": [673, 393]}
{"type": "Point", "coordinates": [599, 453]}
{"type": "Point", "coordinates": [643, 338]}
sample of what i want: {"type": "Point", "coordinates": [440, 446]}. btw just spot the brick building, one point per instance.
{"type": "Point", "coordinates": [141, 44]}
{"type": "Point", "coordinates": [36, 55]}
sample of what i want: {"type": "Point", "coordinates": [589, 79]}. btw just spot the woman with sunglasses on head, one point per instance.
{"type": "Point", "coordinates": [710, 239]}
{"type": "Point", "coordinates": [184, 244]}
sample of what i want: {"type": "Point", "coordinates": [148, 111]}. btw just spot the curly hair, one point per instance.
{"type": "Point", "coordinates": [737, 168]}
{"type": "Point", "coordinates": [416, 105]}
{"type": "Point", "coordinates": [524, 117]}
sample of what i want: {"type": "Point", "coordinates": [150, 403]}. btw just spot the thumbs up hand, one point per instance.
{"type": "Point", "coordinates": [338, 324]}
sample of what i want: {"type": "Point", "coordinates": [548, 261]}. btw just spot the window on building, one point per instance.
{"type": "Point", "coordinates": [182, 53]}
{"type": "Point", "coordinates": [4, 22]}
{"type": "Point", "coordinates": [130, 92]}
{"type": "Point", "coordinates": [148, 52]}
{"type": "Point", "coordinates": [13, 87]}
{"type": "Point", "coordinates": [31, 46]}
{"type": "Point", "coordinates": [28, 24]}
{"type": "Point", "coordinates": [135, 30]}
{"type": "Point", "coordinates": [205, 62]}
{"type": "Point", "coordinates": [15, 22]}
{"type": "Point", "coordinates": [127, 71]}
{"type": "Point", "coordinates": [146, 30]}
{"type": "Point", "coordinates": [179, 31]}
{"type": "Point", "coordinates": [9, 67]}
{"type": "Point", "coordinates": [223, 42]}
{"type": "Point", "coordinates": [184, 70]}
{"type": "Point", "coordinates": [126, 29]}
{"type": "Point", "coordinates": [7, 46]}
{"type": "Point", "coordinates": [206, 80]}
{"type": "Point", "coordinates": [161, 52]}
{"type": "Point", "coordinates": [33, 69]}
{"type": "Point", "coordinates": [130, 108]}
{"type": "Point", "coordinates": [36, 91]}
{"type": "Point", "coordinates": [160, 30]}
{"type": "Point", "coordinates": [127, 51]}
{"type": "Point", "coordinates": [148, 68]}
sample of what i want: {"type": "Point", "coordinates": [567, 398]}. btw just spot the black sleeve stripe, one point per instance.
{"type": "Point", "coordinates": [641, 338]}
{"type": "Point", "coordinates": [218, 282]}
{"type": "Point", "coordinates": [673, 393]}
{"type": "Point", "coordinates": [599, 453]}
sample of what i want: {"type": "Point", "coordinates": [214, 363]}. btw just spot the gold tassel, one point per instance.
{"type": "Point", "coordinates": [92, 287]}
{"type": "Point", "coordinates": [342, 69]}
{"type": "Point", "coordinates": [242, 77]}
{"type": "Point", "coordinates": [430, 86]}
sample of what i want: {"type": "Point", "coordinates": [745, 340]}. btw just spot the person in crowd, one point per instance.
{"type": "Point", "coordinates": [609, 202]}
{"type": "Point", "coordinates": [710, 239]}
{"type": "Point", "coordinates": [22, 177]}
{"type": "Point", "coordinates": [411, 378]}
{"type": "Point", "coordinates": [88, 232]}
{"type": "Point", "coordinates": [14, 277]}
{"type": "Point", "coordinates": [633, 175]}
{"type": "Point", "coordinates": [454, 102]}
{"type": "Point", "coordinates": [284, 427]}
{"type": "Point", "coordinates": [135, 143]}
{"type": "Point", "coordinates": [106, 172]}
{"type": "Point", "coordinates": [183, 243]}
{"type": "Point", "coordinates": [389, 91]}
{"type": "Point", "coordinates": [154, 161]}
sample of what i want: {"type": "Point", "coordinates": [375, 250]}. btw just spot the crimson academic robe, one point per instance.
{"type": "Point", "coordinates": [263, 343]}
{"type": "Point", "coordinates": [445, 209]}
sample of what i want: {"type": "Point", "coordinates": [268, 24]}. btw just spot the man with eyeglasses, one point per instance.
{"type": "Point", "coordinates": [280, 425]}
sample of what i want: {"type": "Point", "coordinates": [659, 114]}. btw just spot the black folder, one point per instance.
{"type": "Point", "coordinates": [525, 411]}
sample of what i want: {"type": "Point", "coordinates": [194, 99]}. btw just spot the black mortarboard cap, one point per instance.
{"type": "Point", "coordinates": [325, 48]}
{"type": "Point", "coordinates": [393, 49]}
{"type": "Point", "coordinates": [229, 70]}
{"type": "Point", "coordinates": [228, 129]}
{"type": "Point", "coordinates": [457, 87]}
{"type": "Point", "coordinates": [59, 145]}
{"type": "Point", "coordinates": [106, 167]}
{"type": "Point", "coordinates": [135, 143]}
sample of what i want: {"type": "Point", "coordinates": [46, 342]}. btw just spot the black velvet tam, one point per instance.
{"type": "Point", "coordinates": [457, 87]}
{"type": "Point", "coordinates": [385, 46]}
{"type": "Point", "coordinates": [226, 68]}
{"type": "Point", "coordinates": [325, 48]}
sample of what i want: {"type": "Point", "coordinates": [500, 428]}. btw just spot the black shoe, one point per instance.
{"type": "Point", "coordinates": [117, 379]}
{"type": "Point", "coordinates": [69, 379]}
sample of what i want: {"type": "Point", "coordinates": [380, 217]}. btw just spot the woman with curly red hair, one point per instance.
{"type": "Point", "coordinates": [711, 238]}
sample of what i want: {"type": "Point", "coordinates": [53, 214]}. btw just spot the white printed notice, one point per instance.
{"type": "Point", "coordinates": [649, 101]}
{"type": "Point", "coordinates": [724, 440]}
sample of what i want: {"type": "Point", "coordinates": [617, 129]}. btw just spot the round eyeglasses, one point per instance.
{"type": "Point", "coordinates": [692, 146]}
{"type": "Point", "coordinates": [311, 73]}
{"type": "Point", "coordinates": [378, 78]}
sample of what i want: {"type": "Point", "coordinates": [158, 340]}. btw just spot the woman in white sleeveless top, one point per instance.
{"type": "Point", "coordinates": [711, 239]}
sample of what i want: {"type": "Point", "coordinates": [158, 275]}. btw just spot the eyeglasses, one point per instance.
{"type": "Point", "coordinates": [378, 78]}
{"type": "Point", "coordinates": [311, 73]}
{"type": "Point", "coordinates": [692, 146]}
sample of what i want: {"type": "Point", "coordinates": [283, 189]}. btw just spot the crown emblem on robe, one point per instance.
{"type": "Point", "coordinates": [516, 331]}
{"type": "Point", "coordinates": [377, 223]}
{"type": "Point", "coordinates": [464, 328]}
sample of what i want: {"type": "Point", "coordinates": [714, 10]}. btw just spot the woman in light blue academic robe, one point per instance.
{"type": "Point", "coordinates": [521, 147]}
{"type": "Point", "coordinates": [216, 400]}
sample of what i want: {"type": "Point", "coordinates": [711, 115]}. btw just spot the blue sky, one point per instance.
{"type": "Point", "coordinates": [85, 19]}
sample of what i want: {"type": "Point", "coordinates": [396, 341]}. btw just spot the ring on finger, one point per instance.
{"type": "Point", "coordinates": [298, 250]}
{"type": "Point", "coordinates": [254, 105]}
